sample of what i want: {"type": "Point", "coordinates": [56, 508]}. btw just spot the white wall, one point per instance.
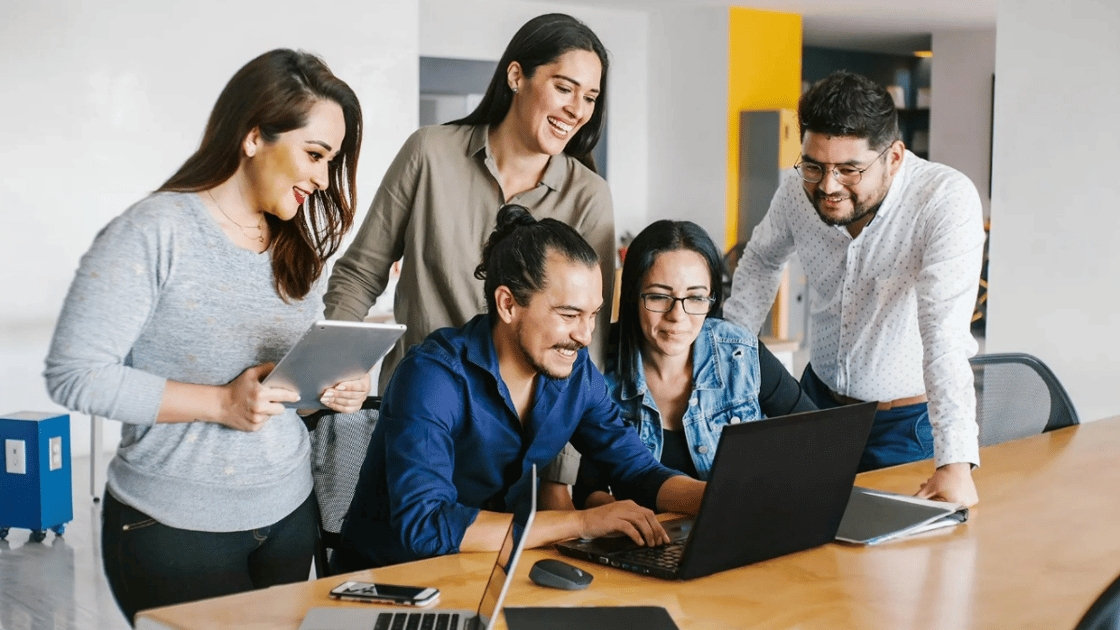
{"type": "Point", "coordinates": [103, 101]}
{"type": "Point", "coordinates": [480, 29]}
{"type": "Point", "coordinates": [688, 94]}
{"type": "Point", "coordinates": [1055, 209]}
{"type": "Point", "coordinates": [961, 108]}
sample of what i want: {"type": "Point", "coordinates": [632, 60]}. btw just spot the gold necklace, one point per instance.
{"type": "Point", "coordinates": [259, 227]}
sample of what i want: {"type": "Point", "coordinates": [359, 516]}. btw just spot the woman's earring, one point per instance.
{"type": "Point", "coordinates": [514, 89]}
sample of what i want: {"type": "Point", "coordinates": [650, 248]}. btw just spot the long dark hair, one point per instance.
{"type": "Point", "coordinates": [517, 251]}
{"type": "Point", "coordinates": [658, 238]}
{"type": "Point", "coordinates": [539, 42]}
{"type": "Point", "coordinates": [274, 93]}
{"type": "Point", "coordinates": [847, 104]}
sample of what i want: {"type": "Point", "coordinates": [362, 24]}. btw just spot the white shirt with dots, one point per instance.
{"type": "Point", "coordinates": [890, 310]}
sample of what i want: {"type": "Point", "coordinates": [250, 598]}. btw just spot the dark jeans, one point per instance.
{"type": "Point", "coordinates": [898, 436]}
{"type": "Point", "coordinates": [149, 564]}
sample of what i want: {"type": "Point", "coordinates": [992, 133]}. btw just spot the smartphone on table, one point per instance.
{"type": "Point", "coordinates": [385, 593]}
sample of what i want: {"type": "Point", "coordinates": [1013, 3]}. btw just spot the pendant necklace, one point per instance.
{"type": "Point", "coordinates": [259, 227]}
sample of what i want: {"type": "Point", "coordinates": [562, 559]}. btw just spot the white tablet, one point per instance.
{"type": "Point", "coordinates": [328, 353]}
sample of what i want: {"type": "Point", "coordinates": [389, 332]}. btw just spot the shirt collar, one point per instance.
{"type": "Point", "coordinates": [706, 370]}
{"type": "Point", "coordinates": [480, 344]}
{"type": "Point", "coordinates": [893, 193]}
{"type": "Point", "coordinates": [481, 352]}
{"type": "Point", "coordinates": [554, 172]}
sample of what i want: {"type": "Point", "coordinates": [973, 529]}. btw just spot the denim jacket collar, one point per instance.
{"type": "Point", "coordinates": [706, 370]}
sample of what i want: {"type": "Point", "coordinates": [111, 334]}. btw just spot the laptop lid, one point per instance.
{"type": "Point", "coordinates": [523, 495]}
{"type": "Point", "coordinates": [777, 486]}
{"type": "Point", "coordinates": [506, 561]}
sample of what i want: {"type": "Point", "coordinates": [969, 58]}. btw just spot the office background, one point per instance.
{"type": "Point", "coordinates": [104, 100]}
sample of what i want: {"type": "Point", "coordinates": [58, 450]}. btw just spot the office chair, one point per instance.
{"type": "Point", "coordinates": [338, 448]}
{"type": "Point", "coordinates": [1104, 613]}
{"type": "Point", "coordinates": [1018, 396]}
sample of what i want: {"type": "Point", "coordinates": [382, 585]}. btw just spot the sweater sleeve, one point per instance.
{"type": "Point", "coordinates": [110, 300]}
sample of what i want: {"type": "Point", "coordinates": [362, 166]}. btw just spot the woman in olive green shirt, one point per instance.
{"type": "Point", "coordinates": [528, 142]}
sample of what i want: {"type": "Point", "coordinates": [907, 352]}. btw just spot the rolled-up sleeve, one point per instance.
{"type": "Point", "coordinates": [362, 272]}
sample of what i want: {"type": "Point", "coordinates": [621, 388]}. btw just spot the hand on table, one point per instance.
{"type": "Point", "coordinates": [953, 483]}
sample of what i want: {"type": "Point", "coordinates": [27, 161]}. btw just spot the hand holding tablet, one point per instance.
{"type": "Point", "coordinates": [330, 353]}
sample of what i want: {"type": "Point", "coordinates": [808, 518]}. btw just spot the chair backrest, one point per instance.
{"type": "Point", "coordinates": [1104, 613]}
{"type": "Point", "coordinates": [1018, 396]}
{"type": "Point", "coordinates": [338, 449]}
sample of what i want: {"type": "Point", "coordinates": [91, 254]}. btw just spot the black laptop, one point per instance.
{"type": "Point", "coordinates": [777, 486]}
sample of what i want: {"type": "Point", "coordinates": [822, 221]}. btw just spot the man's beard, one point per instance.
{"type": "Point", "coordinates": [860, 209]}
{"type": "Point", "coordinates": [540, 369]}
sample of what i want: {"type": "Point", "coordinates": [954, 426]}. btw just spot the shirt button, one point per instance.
{"type": "Point", "coordinates": [735, 420]}
{"type": "Point", "coordinates": [702, 449]}
{"type": "Point", "coordinates": [692, 402]}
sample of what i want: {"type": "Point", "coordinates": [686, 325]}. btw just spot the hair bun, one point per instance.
{"type": "Point", "coordinates": [512, 216]}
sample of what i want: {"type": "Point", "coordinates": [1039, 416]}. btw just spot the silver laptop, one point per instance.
{"type": "Point", "coordinates": [369, 617]}
{"type": "Point", "coordinates": [328, 353]}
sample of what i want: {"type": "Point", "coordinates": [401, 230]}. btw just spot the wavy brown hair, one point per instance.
{"type": "Point", "coordinates": [274, 93]}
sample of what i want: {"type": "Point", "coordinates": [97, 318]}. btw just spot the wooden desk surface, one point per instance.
{"type": "Point", "coordinates": [1041, 545]}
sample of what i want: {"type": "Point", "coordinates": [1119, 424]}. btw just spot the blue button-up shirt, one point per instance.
{"type": "Point", "coordinates": [725, 377]}
{"type": "Point", "coordinates": [449, 443]}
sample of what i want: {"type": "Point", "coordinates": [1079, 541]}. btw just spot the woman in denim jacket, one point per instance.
{"type": "Point", "coordinates": [678, 372]}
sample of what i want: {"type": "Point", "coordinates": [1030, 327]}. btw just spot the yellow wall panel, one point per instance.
{"type": "Point", "coordinates": [764, 73]}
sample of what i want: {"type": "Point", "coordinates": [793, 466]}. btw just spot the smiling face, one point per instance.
{"type": "Point", "coordinates": [283, 173]}
{"type": "Point", "coordinates": [559, 319]}
{"type": "Point", "coordinates": [552, 105]}
{"type": "Point", "coordinates": [837, 204]}
{"type": "Point", "coordinates": [677, 273]}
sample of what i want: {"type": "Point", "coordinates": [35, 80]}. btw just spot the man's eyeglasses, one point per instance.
{"type": "Point", "coordinates": [692, 304]}
{"type": "Point", "coordinates": [846, 174]}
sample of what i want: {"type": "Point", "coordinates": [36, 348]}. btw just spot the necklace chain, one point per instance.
{"type": "Point", "coordinates": [259, 227]}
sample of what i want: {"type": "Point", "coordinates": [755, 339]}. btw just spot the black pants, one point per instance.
{"type": "Point", "coordinates": [149, 564]}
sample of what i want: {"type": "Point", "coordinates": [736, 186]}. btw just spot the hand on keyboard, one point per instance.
{"type": "Point", "coordinates": [625, 517]}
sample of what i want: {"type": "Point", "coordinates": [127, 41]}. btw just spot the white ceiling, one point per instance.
{"type": "Point", "coordinates": [894, 26]}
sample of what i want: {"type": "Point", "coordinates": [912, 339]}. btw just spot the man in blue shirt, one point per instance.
{"type": "Point", "coordinates": [471, 409]}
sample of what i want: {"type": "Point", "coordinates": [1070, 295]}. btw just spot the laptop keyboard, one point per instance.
{"type": "Point", "coordinates": [666, 556]}
{"type": "Point", "coordinates": [433, 620]}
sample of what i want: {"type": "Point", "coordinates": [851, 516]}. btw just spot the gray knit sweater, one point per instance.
{"type": "Point", "coordinates": [163, 294]}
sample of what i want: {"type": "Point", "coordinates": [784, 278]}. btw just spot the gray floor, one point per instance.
{"type": "Point", "coordinates": [58, 584]}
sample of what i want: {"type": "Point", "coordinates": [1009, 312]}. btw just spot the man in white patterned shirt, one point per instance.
{"type": "Point", "coordinates": [892, 246]}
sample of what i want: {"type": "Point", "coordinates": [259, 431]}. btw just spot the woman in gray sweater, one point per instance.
{"type": "Point", "coordinates": [177, 312]}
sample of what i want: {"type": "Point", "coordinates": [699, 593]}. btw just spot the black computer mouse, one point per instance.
{"type": "Point", "coordinates": [557, 574]}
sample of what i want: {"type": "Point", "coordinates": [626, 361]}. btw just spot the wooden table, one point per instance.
{"type": "Point", "coordinates": [1042, 544]}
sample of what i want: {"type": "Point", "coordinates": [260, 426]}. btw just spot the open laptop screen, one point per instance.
{"type": "Point", "coordinates": [523, 513]}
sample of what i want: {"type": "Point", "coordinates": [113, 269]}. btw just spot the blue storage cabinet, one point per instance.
{"type": "Point", "coordinates": [36, 489]}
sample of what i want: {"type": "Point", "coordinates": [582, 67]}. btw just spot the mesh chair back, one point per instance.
{"type": "Point", "coordinates": [1104, 613]}
{"type": "Point", "coordinates": [1017, 396]}
{"type": "Point", "coordinates": [338, 449]}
